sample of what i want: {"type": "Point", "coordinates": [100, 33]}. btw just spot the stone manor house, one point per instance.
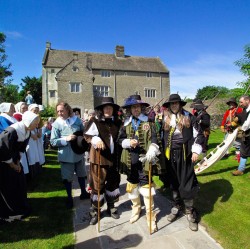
{"type": "Point", "coordinates": [80, 78]}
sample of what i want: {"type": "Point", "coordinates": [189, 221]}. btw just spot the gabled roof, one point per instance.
{"type": "Point", "coordinates": [59, 58]}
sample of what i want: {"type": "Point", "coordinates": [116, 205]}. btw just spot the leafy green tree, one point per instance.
{"type": "Point", "coordinates": [49, 111]}
{"type": "Point", "coordinates": [10, 93]}
{"type": "Point", "coordinates": [244, 64]}
{"type": "Point", "coordinates": [34, 85]}
{"type": "Point", "coordinates": [5, 72]}
{"type": "Point", "coordinates": [209, 92]}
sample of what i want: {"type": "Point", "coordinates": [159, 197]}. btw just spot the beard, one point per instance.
{"type": "Point", "coordinates": [175, 109]}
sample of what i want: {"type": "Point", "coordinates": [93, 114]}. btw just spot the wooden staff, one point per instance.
{"type": "Point", "coordinates": [98, 188]}
{"type": "Point", "coordinates": [150, 201]}
{"type": "Point", "coordinates": [150, 108]}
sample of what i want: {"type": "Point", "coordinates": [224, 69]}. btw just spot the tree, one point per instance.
{"type": "Point", "coordinates": [34, 85]}
{"type": "Point", "coordinates": [244, 64]}
{"type": "Point", "coordinates": [5, 71]}
{"type": "Point", "coordinates": [10, 93]}
{"type": "Point", "coordinates": [209, 92]}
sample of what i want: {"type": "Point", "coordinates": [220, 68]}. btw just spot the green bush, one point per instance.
{"type": "Point", "coordinates": [48, 112]}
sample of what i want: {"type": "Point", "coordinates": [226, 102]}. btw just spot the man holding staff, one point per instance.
{"type": "Point", "coordinates": [140, 142]}
{"type": "Point", "coordinates": [102, 132]}
{"type": "Point", "coordinates": [183, 144]}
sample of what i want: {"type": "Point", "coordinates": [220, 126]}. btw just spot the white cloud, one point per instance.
{"type": "Point", "coordinates": [13, 34]}
{"type": "Point", "coordinates": [206, 70]}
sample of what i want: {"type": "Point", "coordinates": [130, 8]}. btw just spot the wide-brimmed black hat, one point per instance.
{"type": "Point", "coordinates": [198, 105]}
{"type": "Point", "coordinates": [79, 145]}
{"type": "Point", "coordinates": [174, 98]}
{"type": "Point", "coordinates": [134, 100]}
{"type": "Point", "coordinates": [231, 100]}
{"type": "Point", "coordinates": [106, 101]}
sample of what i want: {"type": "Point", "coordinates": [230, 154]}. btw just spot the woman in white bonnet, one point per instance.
{"type": "Point", "coordinates": [13, 191]}
{"type": "Point", "coordinates": [35, 151]}
{"type": "Point", "coordinates": [6, 117]}
{"type": "Point", "coordinates": [21, 108]}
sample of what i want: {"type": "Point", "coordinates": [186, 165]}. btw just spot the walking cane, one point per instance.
{"type": "Point", "coordinates": [150, 201]}
{"type": "Point", "coordinates": [98, 188]}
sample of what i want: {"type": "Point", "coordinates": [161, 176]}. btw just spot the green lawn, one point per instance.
{"type": "Point", "coordinates": [223, 204]}
{"type": "Point", "coordinates": [50, 225]}
{"type": "Point", "coordinates": [224, 200]}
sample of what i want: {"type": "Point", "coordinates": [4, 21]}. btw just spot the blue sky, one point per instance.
{"type": "Point", "coordinates": [197, 40]}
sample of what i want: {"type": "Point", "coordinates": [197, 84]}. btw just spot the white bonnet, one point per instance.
{"type": "Point", "coordinates": [32, 106]}
{"type": "Point", "coordinates": [41, 108]}
{"type": "Point", "coordinates": [18, 106]}
{"type": "Point", "coordinates": [5, 107]}
{"type": "Point", "coordinates": [28, 118]}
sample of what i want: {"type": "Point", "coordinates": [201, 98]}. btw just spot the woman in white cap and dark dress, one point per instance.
{"type": "Point", "coordinates": [102, 132]}
{"type": "Point", "coordinates": [13, 191]}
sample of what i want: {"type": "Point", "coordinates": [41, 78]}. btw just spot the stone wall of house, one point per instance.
{"type": "Point", "coordinates": [126, 84]}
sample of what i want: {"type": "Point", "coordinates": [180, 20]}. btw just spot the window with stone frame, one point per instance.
{"type": "Point", "coordinates": [149, 75]}
{"type": "Point", "coordinates": [101, 91]}
{"type": "Point", "coordinates": [105, 74]}
{"type": "Point", "coordinates": [74, 87]}
{"type": "Point", "coordinates": [150, 93]}
{"type": "Point", "coordinates": [52, 93]}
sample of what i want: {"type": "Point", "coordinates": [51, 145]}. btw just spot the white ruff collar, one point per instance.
{"type": "Point", "coordinates": [141, 117]}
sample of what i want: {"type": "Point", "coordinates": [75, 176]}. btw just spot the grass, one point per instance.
{"type": "Point", "coordinates": [223, 204]}
{"type": "Point", "coordinates": [50, 225]}
{"type": "Point", "coordinates": [223, 200]}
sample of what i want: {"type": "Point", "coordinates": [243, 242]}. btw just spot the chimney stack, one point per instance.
{"type": "Point", "coordinates": [75, 57]}
{"type": "Point", "coordinates": [48, 45]}
{"type": "Point", "coordinates": [119, 51]}
{"type": "Point", "coordinates": [89, 61]}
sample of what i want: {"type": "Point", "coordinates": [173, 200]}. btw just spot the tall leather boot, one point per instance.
{"type": "Point", "coordinates": [134, 196]}
{"type": "Point", "coordinates": [153, 214]}
{"type": "Point", "coordinates": [68, 187]}
{"type": "Point", "coordinates": [191, 214]}
{"type": "Point", "coordinates": [136, 209]}
{"type": "Point", "coordinates": [176, 209]}
{"type": "Point", "coordinates": [93, 215]}
{"type": "Point", "coordinates": [84, 193]}
{"type": "Point", "coordinates": [112, 210]}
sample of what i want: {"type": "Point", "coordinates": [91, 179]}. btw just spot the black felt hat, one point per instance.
{"type": "Point", "coordinates": [231, 100]}
{"type": "Point", "coordinates": [198, 105]}
{"type": "Point", "coordinates": [174, 98]}
{"type": "Point", "coordinates": [107, 101]}
{"type": "Point", "coordinates": [79, 145]}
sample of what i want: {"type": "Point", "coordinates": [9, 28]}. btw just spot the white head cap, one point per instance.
{"type": "Point", "coordinates": [32, 106]}
{"type": "Point", "coordinates": [18, 106]}
{"type": "Point", "coordinates": [5, 107]}
{"type": "Point", "coordinates": [41, 108]}
{"type": "Point", "coordinates": [28, 118]}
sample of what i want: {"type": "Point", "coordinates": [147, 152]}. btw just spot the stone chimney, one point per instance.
{"type": "Point", "coordinates": [48, 45]}
{"type": "Point", "coordinates": [75, 57]}
{"type": "Point", "coordinates": [119, 51]}
{"type": "Point", "coordinates": [89, 61]}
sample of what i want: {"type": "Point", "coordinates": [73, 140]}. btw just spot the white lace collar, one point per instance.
{"type": "Point", "coordinates": [141, 117]}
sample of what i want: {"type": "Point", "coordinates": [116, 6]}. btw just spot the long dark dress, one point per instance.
{"type": "Point", "coordinates": [13, 189]}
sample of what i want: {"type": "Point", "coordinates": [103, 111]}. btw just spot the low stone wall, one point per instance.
{"type": "Point", "coordinates": [216, 120]}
